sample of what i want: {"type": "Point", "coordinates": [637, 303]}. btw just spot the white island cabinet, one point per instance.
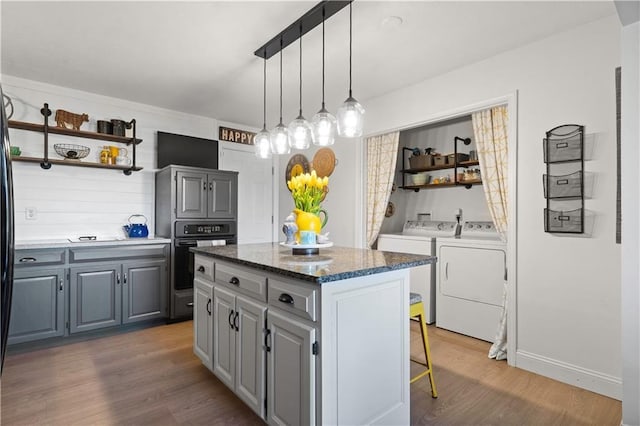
{"type": "Point", "coordinates": [331, 329]}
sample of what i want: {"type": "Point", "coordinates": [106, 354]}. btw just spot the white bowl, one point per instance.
{"type": "Point", "coordinates": [420, 178]}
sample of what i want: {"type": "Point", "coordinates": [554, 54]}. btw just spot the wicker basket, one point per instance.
{"type": "Point", "coordinates": [421, 161]}
{"type": "Point", "coordinates": [461, 157]}
{"type": "Point", "coordinates": [440, 160]}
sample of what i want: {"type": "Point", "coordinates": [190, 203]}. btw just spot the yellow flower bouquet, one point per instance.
{"type": "Point", "coordinates": [308, 191]}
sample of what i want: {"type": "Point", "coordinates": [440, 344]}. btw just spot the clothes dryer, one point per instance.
{"type": "Point", "coordinates": [419, 237]}
{"type": "Point", "coordinates": [471, 274]}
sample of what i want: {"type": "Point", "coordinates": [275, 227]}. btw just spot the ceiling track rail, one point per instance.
{"type": "Point", "coordinates": [300, 27]}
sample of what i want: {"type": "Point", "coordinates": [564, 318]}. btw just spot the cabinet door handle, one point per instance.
{"type": "Point", "coordinates": [210, 186]}
{"type": "Point", "coordinates": [236, 321]}
{"type": "Point", "coordinates": [230, 323]}
{"type": "Point", "coordinates": [189, 305]}
{"type": "Point", "coordinates": [234, 281]}
{"type": "Point", "coordinates": [446, 270]}
{"type": "Point", "coordinates": [286, 298]}
{"type": "Point", "coordinates": [118, 278]}
{"type": "Point", "coordinates": [27, 259]}
{"type": "Point", "coordinates": [208, 306]}
{"type": "Point", "coordinates": [204, 186]}
{"type": "Point", "coordinates": [267, 340]}
{"type": "Point", "coordinates": [200, 268]}
{"type": "Point", "coordinates": [124, 278]}
{"type": "Point", "coordinates": [61, 285]}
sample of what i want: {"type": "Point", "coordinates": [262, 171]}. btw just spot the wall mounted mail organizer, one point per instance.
{"type": "Point", "coordinates": [564, 192]}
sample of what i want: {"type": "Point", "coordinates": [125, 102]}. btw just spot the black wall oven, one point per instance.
{"type": "Point", "coordinates": [190, 234]}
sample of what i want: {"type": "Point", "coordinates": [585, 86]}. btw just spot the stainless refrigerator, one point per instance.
{"type": "Point", "coordinates": [7, 230]}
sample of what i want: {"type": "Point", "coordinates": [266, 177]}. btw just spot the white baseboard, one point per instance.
{"type": "Point", "coordinates": [571, 374]}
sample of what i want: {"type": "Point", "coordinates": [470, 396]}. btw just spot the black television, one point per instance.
{"type": "Point", "coordinates": [184, 150]}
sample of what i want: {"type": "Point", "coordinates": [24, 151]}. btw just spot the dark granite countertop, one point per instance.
{"type": "Point", "coordinates": [331, 264]}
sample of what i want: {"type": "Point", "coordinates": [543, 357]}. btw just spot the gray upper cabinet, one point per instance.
{"type": "Point", "coordinates": [223, 195]}
{"type": "Point", "coordinates": [210, 195]}
{"type": "Point", "coordinates": [192, 192]}
{"type": "Point", "coordinates": [37, 306]}
{"type": "Point", "coordinates": [95, 298]}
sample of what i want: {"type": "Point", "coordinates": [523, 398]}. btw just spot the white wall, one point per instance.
{"type": "Point", "coordinates": [568, 288]}
{"type": "Point", "coordinates": [630, 135]}
{"type": "Point", "coordinates": [73, 201]}
{"type": "Point", "coordinates": [340, 203]}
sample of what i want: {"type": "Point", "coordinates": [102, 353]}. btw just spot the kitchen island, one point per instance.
{"type": "Point", "coordinates": [321, 339]}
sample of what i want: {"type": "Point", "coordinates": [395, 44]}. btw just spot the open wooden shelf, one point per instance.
{"type": "Point", "coordinates": [70, 132]}
{"type": "Point", "coordinates": [75, 163]}
{"type": "Point", "coordinates": [466, 183]}
{"type": "Point", "coordinates": [446, 166]}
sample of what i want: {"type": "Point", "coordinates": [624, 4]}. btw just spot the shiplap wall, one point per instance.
{"type": "Point", "coordinates": [74, 201]}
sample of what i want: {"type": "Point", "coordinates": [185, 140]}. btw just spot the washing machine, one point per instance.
{"type": "Point", "coordinates": [419, 237]}
{"type": "Point", "coordinates": [471, 273]}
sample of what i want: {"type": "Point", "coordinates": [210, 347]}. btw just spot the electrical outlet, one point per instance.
{"type": "Point", "coordinates": [31, 213]}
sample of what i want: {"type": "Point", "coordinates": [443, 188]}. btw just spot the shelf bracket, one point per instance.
{"type": "Point", "coordinates": [132, 123]}
{"type": "Point", "coordinates": [46, 112]}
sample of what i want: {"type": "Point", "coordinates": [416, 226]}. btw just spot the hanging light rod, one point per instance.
{"type": "Point", "coordinates": [303, 25]}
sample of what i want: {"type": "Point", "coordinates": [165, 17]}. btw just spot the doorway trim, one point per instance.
{"type": "Point", "coordinates": [511, 101]}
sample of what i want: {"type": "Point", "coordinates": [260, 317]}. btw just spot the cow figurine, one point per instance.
{"type": "Point", "coordinates": [68, 119]}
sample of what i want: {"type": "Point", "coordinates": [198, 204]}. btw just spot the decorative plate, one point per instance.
{"type": "Point", "coordinates": [391, 209]}
{"type": "Point", "coordinates": [297, 165]}
{"type": "Point", "coordinates": [308, 246]}
{"type": "Point", "coordinates": [324, 161]}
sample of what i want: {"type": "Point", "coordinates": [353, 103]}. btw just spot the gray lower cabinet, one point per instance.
{"type": "Point", "coordinates": [238, 356]}
{"type": "Point", "coordinates": [116, 293]}
{"type": "Point", "coordinates": [96, 297]}
{"type": "Point", "coordinates": [263, 343]}
{"type": "Point", "coordinates": [37, 306]}
{"type": "Point", "coordinates": [290, 371]}
{"type": "Point", "coordinates": [144, 295]}
{"type": "Point", "coordinates": [203, 321]}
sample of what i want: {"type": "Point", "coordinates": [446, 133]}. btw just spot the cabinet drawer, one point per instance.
{"type": "Point", "coordinates": [243, 281]}
{"type": "Point", "coordinates": [295, 298]}
{"type": "Point", "coordinates": [39, 257]}
{"type": "Point", "coordinates": [116, 252]}
{"type": "Point", "coordinates": [203, 267]}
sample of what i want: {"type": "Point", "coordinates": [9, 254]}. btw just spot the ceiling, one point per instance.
{"type": "Point", "coordinates": [197, 57]}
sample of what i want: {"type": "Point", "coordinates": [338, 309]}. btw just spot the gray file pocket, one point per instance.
{"type": "Point", "coordinates": [563, 186]}
{"type": "Point", "coordinates": [568, 221]}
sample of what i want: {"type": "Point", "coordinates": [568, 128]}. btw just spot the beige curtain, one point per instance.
{"type": "Point", "coordinates": [382, 152]}
{"type": "Point", "coordinates": [490, 131]}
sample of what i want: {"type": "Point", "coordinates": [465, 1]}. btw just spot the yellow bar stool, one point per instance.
{"type": "Point", "coordinates": [416, 310]}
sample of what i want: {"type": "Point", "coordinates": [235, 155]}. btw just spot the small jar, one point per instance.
{"type": "Point", "coordinates": [105, 155]}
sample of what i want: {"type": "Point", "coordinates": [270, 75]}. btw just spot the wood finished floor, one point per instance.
{"type": "Point", "coordinates": [151, 377]}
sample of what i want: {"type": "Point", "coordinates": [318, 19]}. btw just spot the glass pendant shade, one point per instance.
{"type": "Point", "coordinates": [300, 133]}
{"type": "Point", "coordinates": [350, 118]}
{"type": "Point", "coordinates": [262, 144]}
{"type": "Point", "coordinates": [279, 140]}
{"type": "Point", "coordinates": [324, 128]}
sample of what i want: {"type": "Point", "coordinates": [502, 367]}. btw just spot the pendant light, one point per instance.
{"type": "Point", "coordinates": [324, 123]}
{"type": "Point", "coordinates": [350, 113]}
{"type": "Point", "coordinates": [300, 131]}
{"type": "Point", "coordinates": [279, 137]}
{"type": "Point", "coordinates": [261, 143]}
